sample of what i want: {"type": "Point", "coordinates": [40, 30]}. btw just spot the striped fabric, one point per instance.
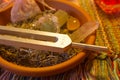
{"type": "Point", "coordinates": [94, 67]}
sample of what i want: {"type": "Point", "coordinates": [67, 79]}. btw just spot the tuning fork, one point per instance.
{"type": "Point", "coordinates": [42, 40]}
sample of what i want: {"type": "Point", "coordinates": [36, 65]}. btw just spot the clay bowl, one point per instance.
{"type": "Point", "coordinates": [73, 10]}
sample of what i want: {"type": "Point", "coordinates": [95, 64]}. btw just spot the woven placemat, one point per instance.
{"type": "Point", "coordinates": [105, 67]}
{"type": "Point", "coordinates": [94, 67]}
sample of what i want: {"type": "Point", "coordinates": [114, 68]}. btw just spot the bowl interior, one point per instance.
{"type": "Point", "coordinates": [73, 10]}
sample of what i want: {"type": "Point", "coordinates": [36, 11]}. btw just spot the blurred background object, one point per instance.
{"type": "Point", "coordinates": [109, 6]}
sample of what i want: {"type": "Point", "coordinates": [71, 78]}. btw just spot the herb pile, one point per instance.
{"type": "Point", "coordinates": [39, 58]}
{"type": "Point", "coordinates": [34, 58]}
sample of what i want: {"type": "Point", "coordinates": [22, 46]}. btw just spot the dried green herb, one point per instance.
{"type": "Point", "coordinates": [37, 58]}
